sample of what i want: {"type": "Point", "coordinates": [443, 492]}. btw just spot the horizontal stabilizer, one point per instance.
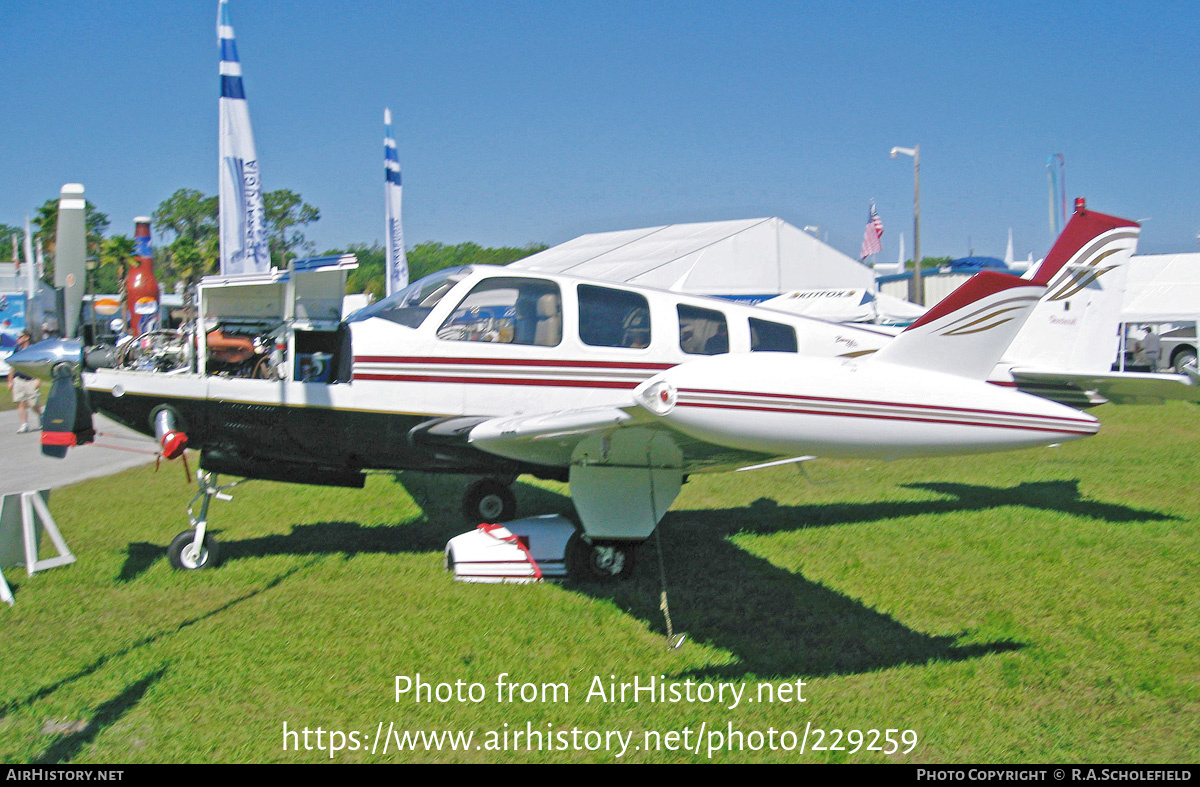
{"type": "Point", "coordinates": [1117, 387]}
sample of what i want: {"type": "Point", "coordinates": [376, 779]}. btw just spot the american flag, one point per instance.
{"type": "Point", "coordinates": [872, 234]}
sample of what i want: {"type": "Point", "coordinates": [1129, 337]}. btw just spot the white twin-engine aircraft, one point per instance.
{"type": "Point", "coordinates": [622, 391]}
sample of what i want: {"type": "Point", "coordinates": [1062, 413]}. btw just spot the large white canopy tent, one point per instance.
{"type": "Point", "coordinates": [748, 259]}
{"type": "Point", "coordinates": [1162, 288]}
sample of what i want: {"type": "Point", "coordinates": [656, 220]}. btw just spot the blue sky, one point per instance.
{"type": "Point", "coordinates": [525, 121]}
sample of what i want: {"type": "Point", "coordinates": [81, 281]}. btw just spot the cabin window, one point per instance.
{"type": "Point", "coordinates": [613, 318]}
{"type": "Point", "coordinates": [702, 331]}
{"type": "Point", "coordinates": [771, 337]}
{"type": "Point", "coordinates": [507, 310]}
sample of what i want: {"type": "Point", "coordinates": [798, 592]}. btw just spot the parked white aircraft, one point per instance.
{"type": "Point", "coordinates": [622, 391]}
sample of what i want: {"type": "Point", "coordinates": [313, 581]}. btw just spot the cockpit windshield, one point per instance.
{"type": "Point", "coordinates": [410, 306]}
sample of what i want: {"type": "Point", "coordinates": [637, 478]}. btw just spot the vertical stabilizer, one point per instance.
{"type": "Point", "coordinates": [1074, 328]}
{"type": "Point", "coordinates": [1088, 239]}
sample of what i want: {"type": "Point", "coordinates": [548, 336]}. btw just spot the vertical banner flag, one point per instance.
{"type": "Point", "coordinates": [396, 273]}
{"type": "Point", "coordinates": [242, 216]}
{"type": "Point", "coordinates": [872, 234]}
{"type": "Point", "coordinates": [1056, 166]}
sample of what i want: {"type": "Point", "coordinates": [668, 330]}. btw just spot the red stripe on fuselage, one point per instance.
{"type": "Point", "coordinates": [1056, 430]}
{"type": "Point", "coordinates": [835, 400]}
{"type": "Point", "coordinates": [425, 378]}
{"type": "Point", "coordinates": [540, 362]}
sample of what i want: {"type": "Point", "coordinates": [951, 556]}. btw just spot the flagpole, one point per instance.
{"type": "Point", "coordinates": [916, 286]}
{"type": "Point", "coordinates": [31, 274]}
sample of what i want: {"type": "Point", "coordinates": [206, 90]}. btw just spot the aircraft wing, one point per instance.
{"type": "Point", "coordinates": [626, 436]}
{"type": "Point", "coordinates": [1117, 387]}
{"type": "Point", "coordinates": [626, 465]}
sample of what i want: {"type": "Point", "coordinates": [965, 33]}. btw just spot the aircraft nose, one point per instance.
{"type": "Point", "coordinates": [39, 360]}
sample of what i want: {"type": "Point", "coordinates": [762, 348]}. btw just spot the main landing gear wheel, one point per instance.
{"type": "Point", "coordinates": [183, 554]}
{"type": "Point", "coordinates": [489, 501]}
{"type": "Point", "coordinates": [599, 562]}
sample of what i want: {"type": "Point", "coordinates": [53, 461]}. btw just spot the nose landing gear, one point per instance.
{"type": "Point", "coordinates": [489, 500]}
{"type": "Point", "coordinates": [195, 549]}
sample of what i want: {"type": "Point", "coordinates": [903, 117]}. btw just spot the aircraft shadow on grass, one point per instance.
{"type": "Point", "coordinates": [774, 621]}
{"type": "Point", "coordinates": [10, 706]}
{"type": "Point", "coordinates": [65, 748]}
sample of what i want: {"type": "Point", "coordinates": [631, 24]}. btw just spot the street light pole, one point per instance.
{"type": "Point", "coordinates": [916, 286]}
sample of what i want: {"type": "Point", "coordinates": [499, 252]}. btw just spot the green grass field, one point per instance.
{"type": "Point", "coordinates": [1041, 606]}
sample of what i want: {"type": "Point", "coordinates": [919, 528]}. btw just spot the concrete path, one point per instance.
{"type": "Point", "coordinates": [23, 468]}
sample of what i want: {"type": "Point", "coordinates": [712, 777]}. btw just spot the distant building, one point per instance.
{"type": "Point", "coordinates": [940, 282]}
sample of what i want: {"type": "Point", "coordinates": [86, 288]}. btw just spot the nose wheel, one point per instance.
{"type": "Point", "coordinates": [489, 500]}
{"type": "Point", "coordinates": [186, 556]}
{"type": "Point", "coordinates": [195, 548]}
{"type": "Point", "coordinates": [605, 562]}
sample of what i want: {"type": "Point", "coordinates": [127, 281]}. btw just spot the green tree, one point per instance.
{"type": "Point", "coordinates": [287, 213]}
{"type": "Point", "coordinates": [929, 263]}
{"type": "Point", "coordinates": [187, 214]}
{"type": "Point", "coordinates": [7, 234]}
{"type": "Point", "coordinates": [424, 259]}
{"type": "Point", "coordinates": [191, 220]}
{"type": "Point", "coordinates": [430, 256]}
{"type": "Point", "coordinates": [114, 254]}
{"type": "Point", "coordinates": [368, 277]}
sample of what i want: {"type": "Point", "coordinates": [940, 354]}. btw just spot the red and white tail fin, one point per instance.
{"type": "Point", "coordinates": [968, 331]}
{"type": "Point", "coordinates": [1074, 328]}
{"type": "Point", "coordinates": [1088, 239]}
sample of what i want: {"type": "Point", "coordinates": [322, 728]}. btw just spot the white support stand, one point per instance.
{"type": "Point", "coordinates": [20, 516]}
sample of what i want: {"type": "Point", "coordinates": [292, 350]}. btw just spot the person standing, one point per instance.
{"type": "Point", "coordinates": [1151, 348]}
{"type": "Point", "coordinates": [26, 391]}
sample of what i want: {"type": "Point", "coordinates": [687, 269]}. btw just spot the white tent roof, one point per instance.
{"type": "Point", "coordinates": [744, 257]}
{"type": "Point", "coordinates": [1162, 288]}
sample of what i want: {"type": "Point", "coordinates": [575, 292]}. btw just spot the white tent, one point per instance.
{"type": "Point", "coordinates": [748, 259]}
{"type": "Point", "coordinates": [1162, 288]}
